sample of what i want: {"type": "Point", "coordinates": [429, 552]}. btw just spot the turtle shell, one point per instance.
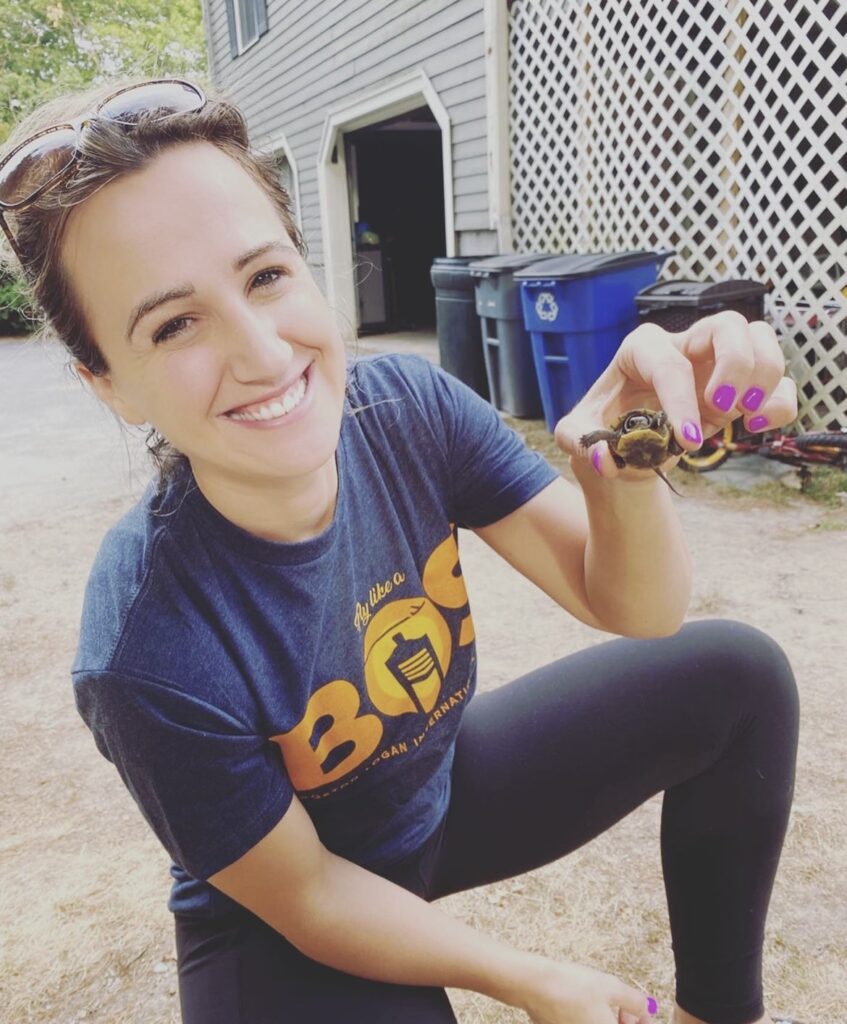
{"type": "Point", "coordinates": [643, 438]}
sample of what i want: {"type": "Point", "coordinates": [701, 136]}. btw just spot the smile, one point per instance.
{"type": "Point", "coordinates": [280, 407]}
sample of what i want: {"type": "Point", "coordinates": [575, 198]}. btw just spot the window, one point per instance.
{"type": "Point", "coordinates": [248, 20]}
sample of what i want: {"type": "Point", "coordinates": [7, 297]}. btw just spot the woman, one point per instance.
{"type": "Point", "coordinates": [276, 649]}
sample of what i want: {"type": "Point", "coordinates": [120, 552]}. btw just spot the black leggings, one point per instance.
{"type": "Point", "coordinates": [544, 764]}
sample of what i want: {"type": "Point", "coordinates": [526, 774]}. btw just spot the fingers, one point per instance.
{"type": "Point", "coordinates": [651, 356]}
{"type": "Point", "coordinates": [633, 1005]}
{"type": "Point", "coordinates": [747, 372]}
{"type": "Point", "coordinates": [777, 410]}
{"type": "Point", "coordinates": [704, 378]}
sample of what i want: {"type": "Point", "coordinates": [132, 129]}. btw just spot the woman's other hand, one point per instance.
{"type": "Point", "coordinates": [568, 993]}
{"type": "Point", "coordinates": [718, 370]}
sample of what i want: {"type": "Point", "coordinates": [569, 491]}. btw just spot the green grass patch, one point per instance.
{"type": "Point", "coordinates": [826, 485]}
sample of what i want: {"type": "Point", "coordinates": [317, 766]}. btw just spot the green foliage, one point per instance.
{"type": "Point", "coordinates": [16, 315]}
{"type": "Point", "coordinates": [48, 47]}
{"type": "Point", "coordinates": [826, 485]}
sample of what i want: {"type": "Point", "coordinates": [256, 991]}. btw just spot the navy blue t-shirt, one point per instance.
{"type": "Point", "coordinates": [221, 673]}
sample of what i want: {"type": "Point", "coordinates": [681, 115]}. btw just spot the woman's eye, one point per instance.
{"type": "Point", "coordinates": [275, 273]}
{"type": "Point", "coordinates": [167, 332]}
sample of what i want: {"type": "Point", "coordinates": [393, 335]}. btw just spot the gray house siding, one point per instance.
{"type": "Point", "coordinates": [318, 54]}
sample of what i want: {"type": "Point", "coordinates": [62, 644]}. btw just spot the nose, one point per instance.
{"type": "Point", "coordinates": [255, 350]}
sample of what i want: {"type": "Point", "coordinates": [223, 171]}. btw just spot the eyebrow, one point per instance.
{"type": "Point", "coordinates": [157, 299]}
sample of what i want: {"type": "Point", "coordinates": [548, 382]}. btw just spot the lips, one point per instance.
{"type": "Point", "coordinates": [271, 396]}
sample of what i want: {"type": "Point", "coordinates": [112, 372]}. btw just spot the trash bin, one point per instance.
{"type": "Point", "coordinates": [676, 305]}
{"type": "Point", "coordinates": [578, 309]}
{"type": "Point", "coordinates": [506, 344]}
{"type": "Point", "coordinates": [458, 326]}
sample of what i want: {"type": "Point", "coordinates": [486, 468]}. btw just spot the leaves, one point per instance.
{"type": "Point", "coordinates": [48, 47]}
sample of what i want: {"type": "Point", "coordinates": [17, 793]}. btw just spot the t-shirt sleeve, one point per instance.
{"type": "Point", "coordinates": [208, 787]}
{"type": "Point", "coordinates": [492, 471]}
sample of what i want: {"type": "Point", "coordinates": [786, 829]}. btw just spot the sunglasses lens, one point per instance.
{"type": "Point", "coordinates": [164, 98]}
{"type": "Point", "coordinates": [36, 164]}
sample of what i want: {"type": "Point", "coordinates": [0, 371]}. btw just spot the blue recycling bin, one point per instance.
{"type": "Point", "coordinates": [578, 309]}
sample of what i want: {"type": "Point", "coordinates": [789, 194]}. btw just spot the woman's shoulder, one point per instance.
{"type": "Point", "coordinates": [122, 572]}
{"type": "Point", "coordinates": [399, 373]}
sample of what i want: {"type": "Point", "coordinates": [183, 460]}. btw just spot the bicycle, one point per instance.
{"type": "Point", "coordinates": [826, 447]}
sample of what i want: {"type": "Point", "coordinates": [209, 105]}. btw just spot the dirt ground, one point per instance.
{"type": "Point", "coordinates": [85, 932]}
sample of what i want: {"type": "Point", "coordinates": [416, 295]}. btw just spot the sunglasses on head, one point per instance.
{"type": "Point", "coordinates": [43, 160]}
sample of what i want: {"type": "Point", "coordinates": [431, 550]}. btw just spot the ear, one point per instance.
{"type": "Point", "coordinates": [103, 386]}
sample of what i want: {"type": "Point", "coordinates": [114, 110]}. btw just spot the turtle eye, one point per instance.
{"type": "Point", "coordinates": [636, 421]}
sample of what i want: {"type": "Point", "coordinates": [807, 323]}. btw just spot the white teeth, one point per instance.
{"type": "Point", "coordinates": [279, 407]}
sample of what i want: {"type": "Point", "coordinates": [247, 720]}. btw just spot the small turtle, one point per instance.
{"type": "Point", "coordinates": [640, 438]}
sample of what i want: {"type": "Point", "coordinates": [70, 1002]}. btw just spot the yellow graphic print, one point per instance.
{"type": "Point", "coordinates": [444, 583]}
{"type": "Point", "coordinates": [407, 653]}
{"type": "Point", "coordinates": [331, 739]}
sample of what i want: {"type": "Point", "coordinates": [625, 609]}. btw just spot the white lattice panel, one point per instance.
{"type": "Point", "coordinates": [715, 129]}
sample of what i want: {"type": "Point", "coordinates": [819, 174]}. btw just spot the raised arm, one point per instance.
{"type": "Point", "coordinates": [612, 550]}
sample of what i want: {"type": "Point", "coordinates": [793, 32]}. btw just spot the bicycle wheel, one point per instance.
{"type": "Point", "coordinates": [823, 439]}
{"type": "Point", "coordinates": [711, 455]}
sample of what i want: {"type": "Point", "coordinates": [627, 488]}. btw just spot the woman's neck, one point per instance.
{"type": "Point", "coordinates": [288, 511]}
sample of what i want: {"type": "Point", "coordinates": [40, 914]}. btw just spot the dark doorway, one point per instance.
{"type": "Point", "coordinates": [398, 192]}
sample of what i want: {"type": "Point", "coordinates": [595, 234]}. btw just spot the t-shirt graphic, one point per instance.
{"type": "Point", "coordinates": [408, 649]}
{"type": "Point", "coordinates": [222, 673]}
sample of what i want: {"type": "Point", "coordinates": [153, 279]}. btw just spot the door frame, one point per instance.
{"type": "Point", "coordinates": [398, 96]}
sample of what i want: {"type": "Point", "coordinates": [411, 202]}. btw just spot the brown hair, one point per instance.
{"type": "Point", "coordinates": [107, 151]}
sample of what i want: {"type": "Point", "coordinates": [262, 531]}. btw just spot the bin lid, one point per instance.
{"type": "Point", "coordinates": [456, 261]}
{"type": "Point", "coordinates": [504, 264]}
{"type": "Point", "coordinates": [697, 293]}
{"type": "Point", "coordinates": [451, 272]}
{"type": "Point", "coordinates": [587, 264]}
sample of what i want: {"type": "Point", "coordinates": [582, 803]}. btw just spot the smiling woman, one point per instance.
{"type": "Point", "coordinates": [84, 157]}
{"type": "Point", "coordinates": [276, 648]}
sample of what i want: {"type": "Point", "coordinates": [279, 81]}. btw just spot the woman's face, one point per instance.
{"type": "Point", "coordinates": [242, 366]}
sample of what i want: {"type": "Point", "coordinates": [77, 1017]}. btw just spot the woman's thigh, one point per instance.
{"type": "Point", "coordinates": [241, 971]}
{"type": "Point", "coordinates": [549, 761]}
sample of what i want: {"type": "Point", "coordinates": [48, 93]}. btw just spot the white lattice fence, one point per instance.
{"type": "Point", "coordinates": [715, 129]}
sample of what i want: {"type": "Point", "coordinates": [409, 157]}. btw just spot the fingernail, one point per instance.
{"type": "Point", "coordinates": [595, 460]}
{"type": "Point", "coordinates": [691, 432]}
{"type": "Point", "coordinates": [758, 423]}
{"type": "Point", "coordinates": [752, 398]}
{"type": "Point", "coordinates": [652, 1006]}
{"type": "Point", "coordinates": [724, 397]}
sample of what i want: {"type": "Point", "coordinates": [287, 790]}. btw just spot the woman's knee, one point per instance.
{"type": "Point", "coordinates": [746, 662]}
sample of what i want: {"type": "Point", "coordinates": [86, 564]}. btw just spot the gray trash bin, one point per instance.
{"type": "Point", "coordinates": [459, 337]}
{"type": "Point", "coordinates": [507, 346]}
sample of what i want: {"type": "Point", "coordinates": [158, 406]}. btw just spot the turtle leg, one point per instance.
{"type": "Point", "coordinates": [674, 447]}
{"type": "Point", "coordinates": [587, 440]}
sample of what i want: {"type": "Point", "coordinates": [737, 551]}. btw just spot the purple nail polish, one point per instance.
{"type": "Point", "coordinates": [691, 432]}
{"type": "Point", "coordinates": [652, 1006]}
{"type": "Point", "coordinates": [752, 398]}
{"type": "Point", "coordinates": [758, 423]}
{"type": "Point", "coordinates": [595, 459]}
{"type": "Point", "coordinates": [724, 397]}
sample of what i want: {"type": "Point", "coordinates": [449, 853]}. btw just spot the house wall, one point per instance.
{"type": "Point", "coordinates": [320, 53]}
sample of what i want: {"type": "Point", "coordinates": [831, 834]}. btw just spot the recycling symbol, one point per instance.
{"type": "Point", "coordinates": [546, 306]}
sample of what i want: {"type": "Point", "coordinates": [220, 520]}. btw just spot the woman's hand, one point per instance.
{"type": "Point", "coordinates": [719, 369]}
{"type": "Point", "coordinates": [566, 993]}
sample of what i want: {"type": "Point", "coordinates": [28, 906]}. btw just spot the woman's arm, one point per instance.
{"type": "Point", "coordinates": [355, 921]}
{"type": "Point", "coordinates": [611, 551]}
